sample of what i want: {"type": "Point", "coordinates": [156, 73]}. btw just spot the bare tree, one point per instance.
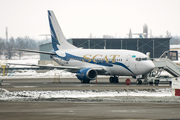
{"type": "Point", "coordinates": [168, 34]}
{"type": "Point", "coordinates": [1, 46]}
{"type": "Point", "coordinates": [9, 47]}
{"type": "Point", "coordinates": [175, 40]}
{"type": "Point", "coordinates": [20, 44]}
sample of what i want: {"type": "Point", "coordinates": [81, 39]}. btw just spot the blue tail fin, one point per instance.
{"type": "Point", "coordinates": [57, 36]}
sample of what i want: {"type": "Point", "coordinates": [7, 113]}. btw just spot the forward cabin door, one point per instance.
{"type": "Point", "coordinates": [127, 62]}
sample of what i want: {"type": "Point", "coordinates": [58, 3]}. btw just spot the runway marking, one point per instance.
{"type": "Point", "coordinates": [163, 85]}
{"type": "Point", "coordinates": [23, 86]}
{"type": "Point", "coordinates": [5, 83]}
{"type": "Point", "coordinates": [124, 111]}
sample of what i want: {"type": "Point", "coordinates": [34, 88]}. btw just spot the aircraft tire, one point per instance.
{"type": "Point", "coordinates": [116, 80]}
{"type": "Point", "coordinates": [150, 83]}
{"type": "Point", "coordinates": [85, 81]}
{"type": "Point", "coordinates": [139, 81]}
{"type": "Point", "coordinates": [156, 82]}
{"type": "Point", "coordinates": [170, 83]}
{"type": "Point", "coordinates": [111, 79]}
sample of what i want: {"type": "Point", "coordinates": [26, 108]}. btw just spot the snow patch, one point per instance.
{"type": "Point", "coordinates": [34, 74]}
{"type": "Point", "coordinates": [81, 94]}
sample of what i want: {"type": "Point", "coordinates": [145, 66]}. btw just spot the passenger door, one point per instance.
{"type": "Point", "coordinates": [127, 62]}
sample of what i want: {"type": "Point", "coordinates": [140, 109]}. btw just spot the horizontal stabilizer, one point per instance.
{"type": "Point", "coordinates": [66, 68]}
{"type": "Point", "coordinates": [36, 51]}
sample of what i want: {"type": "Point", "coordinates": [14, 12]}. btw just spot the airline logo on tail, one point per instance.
{"type": "Point", "coordinates": [58, 39]}
{"type": "Point", "coordinates": [54, 37]}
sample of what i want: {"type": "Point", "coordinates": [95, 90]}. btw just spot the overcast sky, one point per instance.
{"type": "Point", "coordinates": [79, 18]}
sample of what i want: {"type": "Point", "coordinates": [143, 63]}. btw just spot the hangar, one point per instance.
{"type": "Point", "coordinates": [156, 46]}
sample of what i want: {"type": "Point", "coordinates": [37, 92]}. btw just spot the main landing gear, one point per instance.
{"type": "Point", "coordinates": [85, 81]}
{"type": "Point", "coordinates": [114, 79]}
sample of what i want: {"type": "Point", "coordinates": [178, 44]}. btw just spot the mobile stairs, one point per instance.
{"type": "Point", "coordinates": [163, 63]}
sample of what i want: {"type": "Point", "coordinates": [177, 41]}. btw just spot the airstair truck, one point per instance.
{"type": "Point", "coordinates": [165, 63]}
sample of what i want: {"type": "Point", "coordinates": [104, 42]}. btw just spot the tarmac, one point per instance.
{"type": "Point", "coordinates": [81, 110]}
{"type": "Point", "coordinates": [87, 111]}
{"type": "Point", "coordinates": [20, 84]}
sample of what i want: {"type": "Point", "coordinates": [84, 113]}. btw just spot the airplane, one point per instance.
{"type": "Point", "coordinates": [89, 63]}
{"type": "Point", "coordinates": [141, 35]}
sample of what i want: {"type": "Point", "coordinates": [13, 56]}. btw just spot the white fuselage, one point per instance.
{"type": "Point", "coordinates": [115, 62]}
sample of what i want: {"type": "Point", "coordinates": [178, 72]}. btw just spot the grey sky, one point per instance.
{"type": "Point", "coordinates": [79, 18]}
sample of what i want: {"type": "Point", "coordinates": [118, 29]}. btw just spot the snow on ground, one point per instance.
{"type": "Point", "coordinates": [159, 95]}
{"type": "Point", "coordinates": [25, 56]}
{"type": "Point", "coordinates": [25, 59]}
{"type": "Point", "coordinates": [174, 46]}
{"type": "Point", "coordinates": [29, 61]}
{"type": "Point", "coordinates": [34, 74]}
{"type": "Point", "coordinates": [32, 59]}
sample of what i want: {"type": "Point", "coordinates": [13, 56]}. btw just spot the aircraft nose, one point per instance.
{"type": "Point", "coordinates": [147, 67]}
{"type": "Point", "coordinates": [150, 66]}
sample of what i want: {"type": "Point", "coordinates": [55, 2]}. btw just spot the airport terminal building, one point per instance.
{"type": "Point", "coordinates": [156, 46]}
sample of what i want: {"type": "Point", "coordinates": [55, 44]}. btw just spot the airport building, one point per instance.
{"type": "Point", "coordinates": [155, 46]}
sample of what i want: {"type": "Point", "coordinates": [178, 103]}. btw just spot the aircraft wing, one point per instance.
{"type": "Point", "coordinates": [65, 68]}
{"type": "Point", "coordinates": [36, 51]}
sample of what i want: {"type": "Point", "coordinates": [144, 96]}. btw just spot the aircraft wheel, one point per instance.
{"type": "Point", "coordinates": [150, 83]}
{"type": "Point", "coordinates": [85, 81]}
{"type": "Point", "coordinates": [111, 79]}
{"type": "Point", "coordinates": [116, 80]}
{"type": "Point", "coordinates": [170, 83]}
{"type": "Point", "coordinates": [156, 82]}
{"type": "Point", "coordinates": [139, 81]}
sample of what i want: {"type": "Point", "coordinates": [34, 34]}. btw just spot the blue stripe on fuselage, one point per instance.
{"type": "Point", "coordinates": [100, 62]}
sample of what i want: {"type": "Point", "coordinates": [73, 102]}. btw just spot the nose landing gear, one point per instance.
{"type": "Point", "coordinates": [139, 81]}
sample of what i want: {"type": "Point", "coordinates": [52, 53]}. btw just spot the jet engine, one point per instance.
{"type": "Point", "coordinates": [86, 74]}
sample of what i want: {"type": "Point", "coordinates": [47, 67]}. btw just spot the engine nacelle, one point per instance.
{"type": "Point", "coordinates": [86, 74]}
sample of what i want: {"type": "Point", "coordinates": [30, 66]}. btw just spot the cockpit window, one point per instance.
{"type": "Point", "coordinates": [138, 59]}
{"type": "Point", "coordinates": [142, 59]}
